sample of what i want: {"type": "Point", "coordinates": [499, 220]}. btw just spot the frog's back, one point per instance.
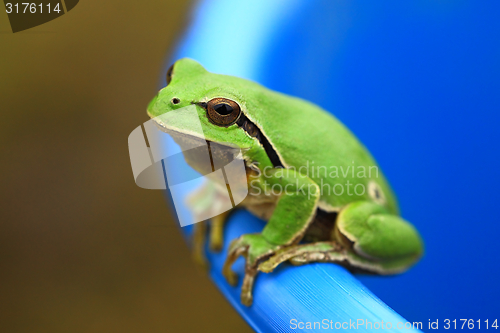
{"type": "Point", "coordinates": [304, 135]}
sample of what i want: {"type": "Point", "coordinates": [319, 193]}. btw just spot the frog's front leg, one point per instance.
{"type": "Point", "coordinates": [294, 211]}
{"type": "Point", "coordinates": [199, 236]}
{"type": "Point", "coordinates": [215, 239]}
{"type": "Point", "coordinates": [206, 201]}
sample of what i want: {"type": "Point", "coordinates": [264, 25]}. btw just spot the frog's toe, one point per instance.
{"type": "Point", "coordinates": [271, 263]}
{"type": "Point", "coordinates": [200, 260]}
{"type": "Point", "coordinates": [234, 252]}
{"type": "Point", "coordinates": [215, 243]}
{"type": "Point", "coordinates": [217, 231]}
{"type": "Point", "coordinates": [302, 254]}
{"type": "Point", "coordinates": [254, 248]}
{"type": "Point", "coordinates": [231, 277]}
{"type": "Point", "coordinates": [247, 287]}
{"type": "Point", "coordinates": [199, 236]}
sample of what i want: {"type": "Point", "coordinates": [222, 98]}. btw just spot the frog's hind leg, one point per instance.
{"type": "Point", "coordinates": [217, 230]}
{"type": "Point", "coordinates": [215, 238]}
{"type": "Point", "coordinates": [378, 241]}
{"type": "Point", "coordinates": [207, 201]}
{"type": "Point", "coordinates": [366, 238]}
{"type": "Point", "coordinates": [305, 253]}
{"type": "Point", "coordinates": [331, 252]}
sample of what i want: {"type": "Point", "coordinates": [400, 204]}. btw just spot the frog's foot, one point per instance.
{"type": "Point", "coordinates": [205, 202]}
{"type": "Point", "coordinates": [254, 248]}
{"type": "Point", "coordinates": [217, 231]}
{"type": "Point", "coordinates": [216, 236]}
{"type": "Point", "coordinates": [305, 253]}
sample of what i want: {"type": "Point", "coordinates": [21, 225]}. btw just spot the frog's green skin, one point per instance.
{"type": "Point", "coordinates": [365, 232]}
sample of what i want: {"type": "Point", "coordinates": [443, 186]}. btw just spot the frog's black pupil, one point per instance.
{"type": "Point", "coordinates": [377, 195]}
{"type": "Point", "coordinates": [223, 109]}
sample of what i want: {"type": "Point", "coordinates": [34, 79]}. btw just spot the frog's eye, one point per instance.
{"type": "Point", "coordinates": [376, 193]}
{"type": "Point", "coordinates": [169, 74]}
{"type": "Point", "coordinates": [223, 111]}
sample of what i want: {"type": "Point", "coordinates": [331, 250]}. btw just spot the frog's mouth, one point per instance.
{"type": "Point", "coordinates": [189, 138]}
{"type": "Point", "coordinates": [201, 154]}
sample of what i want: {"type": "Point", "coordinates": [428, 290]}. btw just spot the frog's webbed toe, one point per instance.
{"type": "Point", "coordinates": [303, 254]}
{"type": "Point", "coordinates": [206, 201]}
{"type": "Point", "coordinates": [247, 286]}
{"type": "Point", "coordinates": [216, 238]}
{"type": "Point", "coordinates": [255, 248]}
{"type": "Point", "coordinates": [199, 240]}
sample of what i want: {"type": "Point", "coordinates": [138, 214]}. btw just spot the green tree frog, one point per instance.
{"type": "Point", "coordinates": [321, 192]}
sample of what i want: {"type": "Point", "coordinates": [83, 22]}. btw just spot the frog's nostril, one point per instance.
{"type": "Point", "coordinates": [175, 100]}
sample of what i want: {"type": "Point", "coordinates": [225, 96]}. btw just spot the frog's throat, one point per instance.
{"type": "Point", "coordinates": [188, 135]}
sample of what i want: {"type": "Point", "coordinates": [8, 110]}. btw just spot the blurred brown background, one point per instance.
{"type": "Point", "coordinates": [82, 248]}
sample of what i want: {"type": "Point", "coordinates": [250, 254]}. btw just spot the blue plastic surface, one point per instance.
{"type": "Point", "coordinates": [418, 82]}
{"type": "Point", "coordinates": [286, 299]}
